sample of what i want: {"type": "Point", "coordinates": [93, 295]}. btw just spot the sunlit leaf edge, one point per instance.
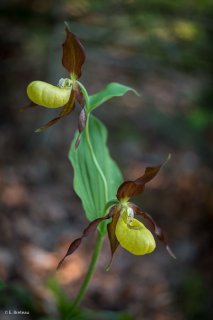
{"type": "Point", "coordinates": [112, 90]}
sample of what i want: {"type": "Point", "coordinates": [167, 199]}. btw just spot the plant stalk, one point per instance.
{"type": "Point", "coordinates": [100, 236]}
{"type": "Point", "coordinates": [85, 94]}
{"type": "Point", "coordinates": [95, 160]}
{"type": "Point", "coordinates": [88, 275]}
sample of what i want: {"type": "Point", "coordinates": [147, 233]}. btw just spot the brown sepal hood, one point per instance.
{"type": "Point", "coordinates": [73, 54]}
{"type": "Point", "coordinates": [129, 189]}
{"type": "Point", "coordinates": [72, 59]}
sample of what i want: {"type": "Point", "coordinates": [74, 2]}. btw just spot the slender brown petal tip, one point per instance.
{"type": "Point", "coordinates": [170, 252]}
{"type": "Point", "coordinates": [67, 109]}
{"type": "Point", "coordinates": [48, 124]}
{"type": "Point", "coordinates": [129, 189]}
{"type": "Point", "coordinates": [73, 54]}
{"type": "Point", "coordinates": [86, 232]}
{"type": "Point", "coordinates": [74, 245]}
{"type": "Point", "coordinates": [157, 230]}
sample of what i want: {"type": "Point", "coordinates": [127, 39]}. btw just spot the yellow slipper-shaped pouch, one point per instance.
{"type": "Point", "coordinates": [134, 236]}
{"type": "Point", "coordinates": [47, 95]}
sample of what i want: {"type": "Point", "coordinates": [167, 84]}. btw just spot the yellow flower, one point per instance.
{"type": "Point", "coordinates": [124, 229]}
{"type": "Point", "coordinates": [68, 91]}
{"type": "Point", "coordinates": [46, 95]}
{"type": "Point", "coordinates": [133, 235]}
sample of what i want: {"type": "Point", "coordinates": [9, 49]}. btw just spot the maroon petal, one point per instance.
{"type": "Point", "coordinates": [67, 109]}
{"type": "Point", "coordinates": [87, 231]}
{"type": "Point", "coordinates": [157, 230]}
{"type": "Point", "coordinates": [129, 189]}
{"type": "Point", "coordinates": [73, 54]}
{"type": "Point", "coordinates": [111, 233]}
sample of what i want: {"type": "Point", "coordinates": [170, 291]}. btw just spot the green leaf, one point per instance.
{"type": "Point", "coordinates": [113, 89]}
{"type": "Point", "coordinates": [63, 302]}
{"type": "Point", "coordinates": [2, 285]}
{"type": "Point", "coordinates": [88, 183]}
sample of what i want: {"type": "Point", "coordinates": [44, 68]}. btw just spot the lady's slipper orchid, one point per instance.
{"type": "Point", "coordinates": [124, 228]}
{"type": "Point", "coordinates": [68, 90]}
{"type": "Point", "coordinates": [133, 235]}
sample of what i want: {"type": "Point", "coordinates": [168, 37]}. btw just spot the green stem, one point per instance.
{"type": "Point", "coordinates": [88, 276]}
{"type": "Point", "coordinates": [95, 160]}
{"type": "Point", "coordinates": [90, 144]}
{"type": "Point", "coordinates": [100, 236]}
{"type": "Point", "coordinates": [85, 94]}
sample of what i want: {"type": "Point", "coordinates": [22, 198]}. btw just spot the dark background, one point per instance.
{"type": "Point", "coordinates": [162, 49]}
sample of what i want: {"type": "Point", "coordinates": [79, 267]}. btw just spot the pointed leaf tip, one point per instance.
{"type": "Point", "coordinates": [112, 90]}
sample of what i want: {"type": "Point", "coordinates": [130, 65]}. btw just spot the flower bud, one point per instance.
{"type": "Point", "coordinates": [134, 236]}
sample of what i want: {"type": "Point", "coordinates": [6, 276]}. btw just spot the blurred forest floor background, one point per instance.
{"type": "Point", "coordinates": [164, 50]}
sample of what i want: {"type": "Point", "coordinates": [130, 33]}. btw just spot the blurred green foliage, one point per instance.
{"type": "Point", "coordinates": [158, 36]}
{"type": "Point", "coordinates": [16, 297]}
{"type": "Point", "coordinates": [65, 307]}
{"type": "Point", "coordinates": [193, 297]}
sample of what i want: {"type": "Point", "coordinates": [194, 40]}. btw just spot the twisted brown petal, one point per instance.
{"type": "Point", "coordinates": [73, 54]}
{"type": "Point", "coordinates": [87, 231]}
{"type": "Point", "coordinates": [129, 189]}
{"type": "Point", "coordinates": [157, 230]}
{"type": "Point", "coordinates": [111, 233]}
{"type": "Point", "coordinates": [67, 109]}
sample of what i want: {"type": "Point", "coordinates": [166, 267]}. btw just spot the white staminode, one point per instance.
{"type": "Point", "coordinates": [64, 83]}
{"type": "Point", "coordinates": [130, 215]}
